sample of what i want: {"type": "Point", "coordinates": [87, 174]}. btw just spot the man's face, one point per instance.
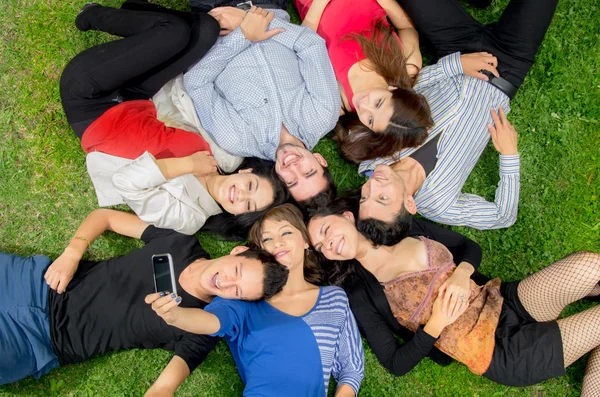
{"type": "Point", "coordinates": [234, 277]}
{"type": "Point", "coordinates": [382, 196]}
{"type": "Point", "coordinates": [300, 170]}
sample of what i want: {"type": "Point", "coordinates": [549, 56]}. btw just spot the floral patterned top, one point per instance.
{"type": "Point", "coordinates": [470, 339]}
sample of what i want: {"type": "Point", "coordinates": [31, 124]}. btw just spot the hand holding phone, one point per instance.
{"type": "Point", "coordinates": [164, 275]}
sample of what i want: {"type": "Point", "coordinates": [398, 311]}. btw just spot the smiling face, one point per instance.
{"type": "Point", "coordinates": [244, 192]}
{"type": "Point", "coordinates": [301, 171]}
{"type": "Point", "coordinates": [335, 236]}
{"type": "Point", "coordinates": [284, 242]}
{"type": "Point", "coordinates": [374, 108]}
{"type": "Point", "coordinates": [383, 195]}
{"type": "Point", "coordinates": [234, 277]}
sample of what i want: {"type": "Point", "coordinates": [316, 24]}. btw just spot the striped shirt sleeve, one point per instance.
{"type": "Point", "coordinates": [348, 365]}
{"type": "Point", "coordinates": [474, 211]}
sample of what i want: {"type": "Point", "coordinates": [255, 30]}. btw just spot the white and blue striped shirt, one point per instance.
{"type": "Point", "coordinates": [460, 107]}
{"type": "Point", "coordinates": [244, 92]}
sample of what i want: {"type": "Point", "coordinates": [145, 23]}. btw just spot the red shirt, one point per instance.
{"type": "Point", "coordinates": [340, 18]}
{"type": "Point", "coordinates": [131, 128]}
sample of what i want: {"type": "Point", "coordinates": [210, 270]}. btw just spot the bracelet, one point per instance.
{"type": "Point", "coordinates": [83, 239]}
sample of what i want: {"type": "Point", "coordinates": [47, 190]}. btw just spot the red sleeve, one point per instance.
{"type": "Point", "coordinates": [131, 128]}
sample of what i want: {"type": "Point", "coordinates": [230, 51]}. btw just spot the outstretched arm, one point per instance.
{"type": "Point", "coordinates": [407, 33]}
{"type": "Point", "coordinates": [474, 211]}
{"type": "Point", "coordinates": [196, 321]}
{"type": "Point", "coordinates": [170, 378]}
{"type": "Point", "coordinates": [61, 271]}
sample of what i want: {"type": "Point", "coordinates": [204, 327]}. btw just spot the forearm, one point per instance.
{"type": "Point", "coordinates": [174, 167]}
{"type": "Point", "coordinates": [196, 321]}
{"type": "Point", "coordinates": [410, 48]}
{"type": "Point", "coordinates": [170, 379]}
{"type": "Point", "coordinates": [344, 391]}
{"type": "Point", "coordinates": [313, 16]}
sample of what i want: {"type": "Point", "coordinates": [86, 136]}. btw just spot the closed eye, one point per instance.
{"type": "Point", "coordinates": [286, 233]}
{"type": "Point", "coordinates": [379, 103]}
{"type": "Point", "coordinates": [362, 199]}
{"type": "Point", "coordinates": [266, 239]}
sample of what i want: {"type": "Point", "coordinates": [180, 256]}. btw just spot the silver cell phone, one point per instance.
{"type": "Point", "coordinates": [164, 275]}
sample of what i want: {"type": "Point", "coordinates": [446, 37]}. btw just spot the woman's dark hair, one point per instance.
{"type": "Point", "coordinates": [276, 274]}
{"type": "Point", "coordinates": [292, 215]}
{"type": "Point", "coordinates": [235, 227]}
{"type": "Point", "coordinates": [340, 273]}
{"type": "Point", "coordinates": [411, 118]}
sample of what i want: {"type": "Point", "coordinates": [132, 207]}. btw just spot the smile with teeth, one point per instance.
{"type": "Point", "coordinates": [340, 246]}
{"type": "Point", "coordinates": [379, 176]}
{"type": "Point", "coordinates": [289, 159]}
{"type": "Point", "coordinates": [280, 254]}
{"type": "Point", "coordinates": [215, 280]}
{"type": "Point", "coordinates": [231, 193]}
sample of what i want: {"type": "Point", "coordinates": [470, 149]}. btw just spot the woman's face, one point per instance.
{"type": "Point", "coordinates": [284, 242]}
{"type": "Point", "coordinates": [335, 236]}
{"type": "Point", "coordinates": [244, 192]}
{"type": "Point", "coordinates": [374, 108]}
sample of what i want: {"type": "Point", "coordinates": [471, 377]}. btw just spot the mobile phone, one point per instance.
{"type": "Point", "coordinates": [164, 275]}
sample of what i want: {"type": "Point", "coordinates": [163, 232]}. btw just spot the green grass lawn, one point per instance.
{"type": "Point", "coordinates": [45, 192]}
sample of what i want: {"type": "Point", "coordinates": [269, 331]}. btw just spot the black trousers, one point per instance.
{"type": "Point", "coordinates": [207, 5]}
{"type": "Point", "coordinates": [157, 45]}
{"type": "Point", "coordinates": [514, 39]}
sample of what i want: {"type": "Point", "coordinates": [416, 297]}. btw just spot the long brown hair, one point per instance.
{"type": "Point", "coordinates": [411, 118]}
{"type": "Point", "coordinates": [291, 214]}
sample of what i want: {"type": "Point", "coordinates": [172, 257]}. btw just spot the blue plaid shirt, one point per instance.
{"type": "Point", "coordinates": [244, 92]}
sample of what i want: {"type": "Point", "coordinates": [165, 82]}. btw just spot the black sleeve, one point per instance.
{"type": "Point", "coordinates": [152, 232]}
{"type": "Point", "coordinates": [462, 248]}
{"type": "Point", "coordinates": [397, 358]}
{"type": "Point", "coordinates": [193, 348]}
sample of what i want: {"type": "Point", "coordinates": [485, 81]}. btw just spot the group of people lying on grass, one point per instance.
{"type": "Point", "coordinates": [267, 90]}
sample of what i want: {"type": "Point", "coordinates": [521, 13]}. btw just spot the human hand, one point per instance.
{"type": "Point", "coordinates": [440, 320]}
{"type": "Point", "coordinates": [255, 24]}
{"type": "Point", "coordinates": [229, 18]}
{"type": "Point", "coordinates": [473, 63]}
{"type": "Point", "coordinates": [165, 305]}
{"type": "Point", "coordinates": [60, 273]}
{"type": "Point", "coordinates": [504, 135]}
{"type": "Point", "coordinates": [202, 163]}
{"type": "Point", "coordinates": [456, 292]}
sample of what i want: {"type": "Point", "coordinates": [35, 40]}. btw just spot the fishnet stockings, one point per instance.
{"type": "Point", "coordinates": [545, 294]}
{"type": "Point", "coordinates": [591, 378]}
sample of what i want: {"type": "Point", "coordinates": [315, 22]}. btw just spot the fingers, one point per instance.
{"type": "Point", "coordinates": [490, 68]}
{"type": "Point", "coordinates": [273, 32]}
{"type": "Point", "coordinates": [152, 297]}
{"type": "Point", "coordinates": [495, 118]}
{"type": "Point", "coordinates": [165, 303]}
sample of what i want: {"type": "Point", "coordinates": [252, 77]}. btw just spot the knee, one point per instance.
{"type": "Point", "coordinates": [587, 262]}
{"type": "Point", "coordinates": [176, 29]}
{"type": "Point", "coordinates": [207, 28]}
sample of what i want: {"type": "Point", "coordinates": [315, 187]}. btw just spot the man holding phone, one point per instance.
{"type": "Point", "coordinates": [96, 307]}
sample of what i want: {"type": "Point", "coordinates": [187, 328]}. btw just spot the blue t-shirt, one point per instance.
{"type": "Point", "coordinates": [278, 354]}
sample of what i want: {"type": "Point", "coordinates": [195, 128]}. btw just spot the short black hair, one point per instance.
{"type": "Point", "coordinates": [276, 274]}
{"type": "Point", "coordinates": [321, 199]}
{"type": "Point", "coordinates": [235, 227]}
{"type": "Point", "coordinates": [386, 233]}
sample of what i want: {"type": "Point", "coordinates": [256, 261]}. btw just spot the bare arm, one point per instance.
{"type": "Point", "coordinates": [196, 321]}
{"type": "Point", "coordinates": [407, 33]}
{"type": "Point", "coordinates": [345, 391]}
{"type": "Point", "coordinates": [170, 378]}
{"type": "Point", "coordinates": [61, 271]}
{"type": "Point", "coordinates": [313, 16]}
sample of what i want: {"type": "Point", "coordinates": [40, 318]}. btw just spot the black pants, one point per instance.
{"type": "Point", "coordinates": [157, 45]}
{"type": "Point", "coordinates": [514, 39]}
{"type": "Point", "coordinates": [207, 5]}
